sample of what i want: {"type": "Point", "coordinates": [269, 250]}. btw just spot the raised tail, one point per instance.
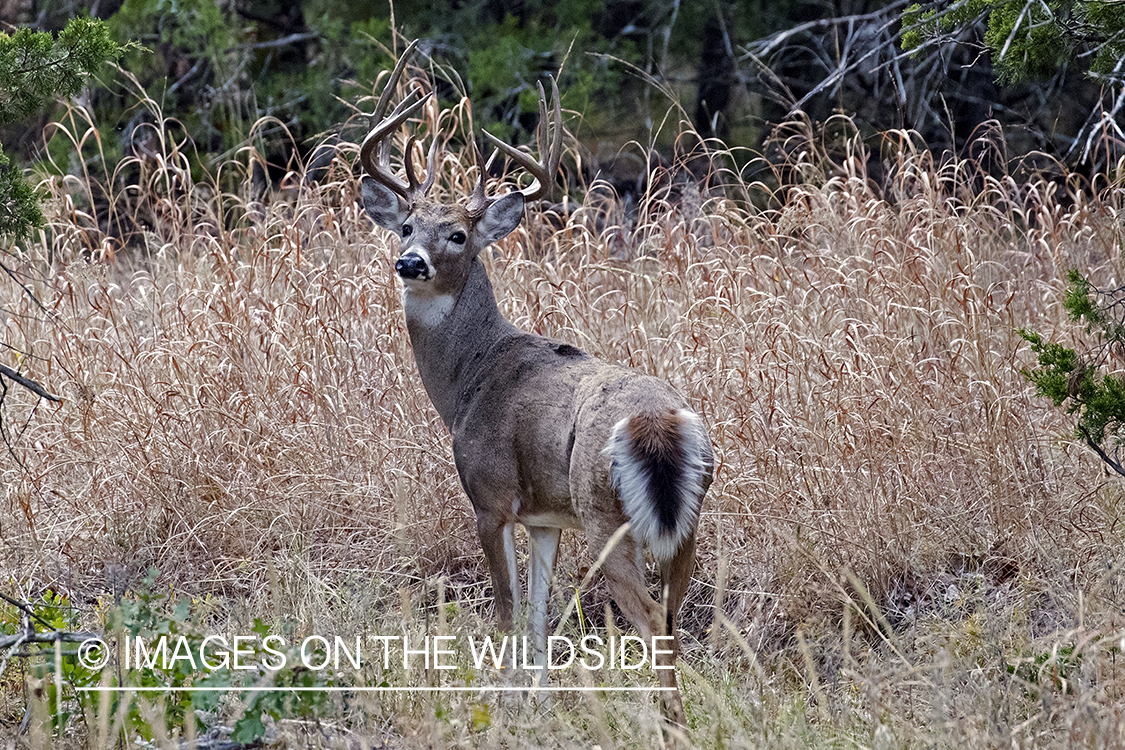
{"type": "Point", "coordinates": [661, 468]}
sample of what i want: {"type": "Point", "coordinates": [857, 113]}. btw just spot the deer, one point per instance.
{"type": "Point", "coordinates": [544, 435]}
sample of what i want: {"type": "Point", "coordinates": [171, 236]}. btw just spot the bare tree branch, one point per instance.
{"type": "Point", "coordinates": [28, 383]}
{"type": "Point", "coordinates": [26, 608]}
{"type": "Point", "coordinates": [30, 294]}
{"type": "Point", "coordinates": [1109, 461]}
{"type": "Point", "coordinates": [65, 636]}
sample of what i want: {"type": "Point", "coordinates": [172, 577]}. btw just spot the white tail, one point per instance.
{"type": "Point", "coordinates": [544, 435]}
{"type": "Point", "coordinates": [659, 471]}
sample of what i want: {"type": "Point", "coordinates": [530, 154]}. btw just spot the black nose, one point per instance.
{"type": "Point", "coordinates": [410, 266]}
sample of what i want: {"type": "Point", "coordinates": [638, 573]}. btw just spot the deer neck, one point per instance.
{"type": "Point", "coordinates": [451, 337]}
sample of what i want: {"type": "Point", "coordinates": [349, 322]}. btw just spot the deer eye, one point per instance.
{"type": "Point", "coordinates": [407, 230]}
{"type": "Point", "coordinates": [457, 237]}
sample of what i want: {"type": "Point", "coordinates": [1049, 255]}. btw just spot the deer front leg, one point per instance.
{"type": "Point", "coordinates": [498, 541]}
{"type": "Point", "coordinates": [544, 543]}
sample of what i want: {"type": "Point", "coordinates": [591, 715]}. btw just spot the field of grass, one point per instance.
{"type": "Point", "coordinates": [903, 547]}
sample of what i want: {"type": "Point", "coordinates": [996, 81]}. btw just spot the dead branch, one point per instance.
{"type": "Point", "coordinates": [28, 383]}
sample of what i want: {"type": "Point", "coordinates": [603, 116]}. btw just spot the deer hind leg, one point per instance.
{"type": "Point", "coordinates": [499, 543]}
{"type": "Point", "coordinates": [674, 578]}
{"type": "Point", "coordinates": [625, 576]}
{"type": "Point", "coordinates": [599, 508]}
{"type": "Point", "coordinates": [544, 548]}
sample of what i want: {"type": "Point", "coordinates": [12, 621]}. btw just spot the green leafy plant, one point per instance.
{"type": "Point", "coordinates": [149, 614]}
{"type": "Point", "coordinates": [1052, 669]}
{"type": "Point", "coordinates": [277, 704]}
{"type": "Point", "coordinates": [38, 628]}
{"type": "Point", "coordinates": [1080, 383]}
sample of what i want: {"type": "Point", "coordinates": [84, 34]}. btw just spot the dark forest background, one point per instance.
{"type": "Point", "coordinates": [737, 68]}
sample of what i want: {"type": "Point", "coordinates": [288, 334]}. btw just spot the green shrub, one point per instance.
{"type": "Point", "coordinates": [1078, 382]}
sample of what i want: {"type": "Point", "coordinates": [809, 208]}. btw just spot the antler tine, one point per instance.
{"type": "Point", "coordinates": [392, 82]}
{"type": "Point", "coordinates": [556, 147]}
{"type": "Point", "coordinates": [431, 168]}
{"type": "Point", "coordinates": [549, 142]}
{"type": "Point", "coordinates": [414, 189]}
{"type": "Point", "coordinates": [478, 199]}
{"type": "Point", "coordinates": [543, 127]}
{"type": "Point", "coordinates": [408, 158]}
{"type": "Point", "coordinates": [379, 166]}
{"type": "Point", "coordinates": [374, 154]}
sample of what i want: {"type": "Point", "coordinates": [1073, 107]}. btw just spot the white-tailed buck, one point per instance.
{"type": "Point", "coordinates": [543, 434]}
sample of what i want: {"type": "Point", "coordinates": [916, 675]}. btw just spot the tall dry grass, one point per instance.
{"type": "Point", "coordinates": [900, 541]}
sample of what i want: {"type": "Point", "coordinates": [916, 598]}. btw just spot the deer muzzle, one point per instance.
{"type": "Point", "coordinates": [411, 266]}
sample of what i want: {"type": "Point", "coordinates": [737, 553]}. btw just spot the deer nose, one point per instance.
{"type": "Point", "coordinates": [411, 266]}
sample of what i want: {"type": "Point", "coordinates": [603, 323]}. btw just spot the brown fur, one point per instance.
{"type": "Point", "coordinates": [656, 436]}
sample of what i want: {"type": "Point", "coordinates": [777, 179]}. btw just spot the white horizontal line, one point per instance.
{"type": "Point", "coordinates": [371, 689]}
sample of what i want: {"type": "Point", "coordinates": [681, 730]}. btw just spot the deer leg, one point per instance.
{"type": "Point", "coordinates": [674, 579]}
{"type": "Point", "coordinates": [544, 543]}
{"type": "Point", "coordinates": [498, 541]}
{"type": "Point", "coordinates": [625, 577]}
{"type": "Point", "coordinates": [509, 535]}
{"type": "Point", "coordinates": [600, 509]}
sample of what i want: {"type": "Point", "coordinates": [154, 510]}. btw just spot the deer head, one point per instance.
{"type": "Point", "coordinates": [440, 241]}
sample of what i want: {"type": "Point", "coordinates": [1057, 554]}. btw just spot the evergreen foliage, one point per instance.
{"type": "Point", "coordinates": [34, 67]}
{"type": "Point", "coordinates": [1030, 38]}
{"type": "Point", "coordinates": [1079, 382]}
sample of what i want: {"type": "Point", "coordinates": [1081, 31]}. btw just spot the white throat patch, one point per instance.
{"type": "Point", "coordinates": [427, 310]}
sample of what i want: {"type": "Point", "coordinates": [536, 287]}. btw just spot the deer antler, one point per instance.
{"type": "Point", "coordinates": [548, 137]}
{"type": "Point", "coordinates": [375, 153]}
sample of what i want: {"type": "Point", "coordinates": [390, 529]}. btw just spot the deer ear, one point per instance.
{"type": "Point", "coordinates": [385, 207]}
{"type": "Point", "coordinates": [500, 218]}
